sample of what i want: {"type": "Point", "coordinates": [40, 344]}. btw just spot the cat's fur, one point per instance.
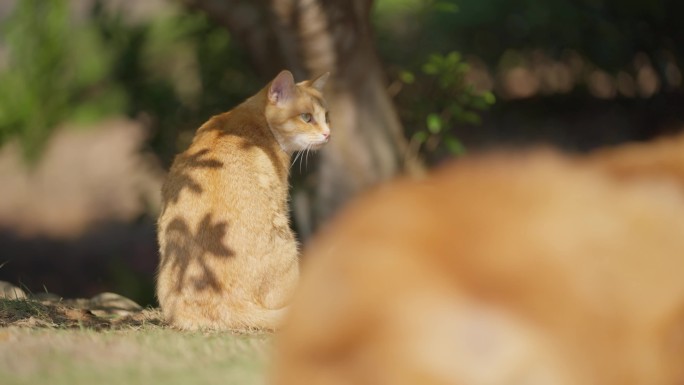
{"type": "Point", "coordinates": [535, 269]}
{"type": "Point", "coordinates": [228, 257]}
{"type": "Point", "coordinates": [660, 159]}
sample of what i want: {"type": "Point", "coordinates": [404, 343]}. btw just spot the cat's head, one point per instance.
{"type": "Point", "coordinates": [297, 113]}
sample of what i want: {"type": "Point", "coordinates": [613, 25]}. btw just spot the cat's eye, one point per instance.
{"type": "Point", "coordinates": [307, 117]}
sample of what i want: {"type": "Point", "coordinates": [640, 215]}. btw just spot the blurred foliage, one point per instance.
{"type": "Point", "coordinates": [175, 67]}
{"type": "Point", "coordinates": [609, 32]}
{"type": "Point", "coordinates": [616, 39]}
{"type": "Point", "coordinates": [54, 72]}
{"type": "Point", "coordinates": [440, 100]}
{"type": "Point", "coordinates": [434, 97]}
{"type": "Point", "coordinates": [172, 71]}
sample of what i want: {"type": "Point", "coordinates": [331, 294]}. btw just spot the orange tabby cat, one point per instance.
{"type": "Point", "coordinates": [228, 257]}
{"type": "Point", "coordinates": [535, 269]}
{"type": "Point", "coordinates": [659, 159]}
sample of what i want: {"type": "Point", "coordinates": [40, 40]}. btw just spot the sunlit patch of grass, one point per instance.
{"type": "Point", "coordinates": [60, 344]}
{"type": "Point", "coordinates": [148, 356]}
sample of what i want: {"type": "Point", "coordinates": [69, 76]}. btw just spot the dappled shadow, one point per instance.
{"type": "Point", "coordinates": [253, 133]}
{"type": "Point", "coordinates": [181, 174]}
{"type": "Point", "coordinates": [271, 149]}
{"type": "Point", "coordinates": [76, 313]}
{"type": "Point", "coordinates": [27, 313]}
{"type": "Point", "coordinates": [189, 251]}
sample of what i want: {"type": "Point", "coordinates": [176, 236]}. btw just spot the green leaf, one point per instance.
{"type": "Point", "coordinates": [434, 123]}
{"type": "Point", "coordinates": [463, 68]}
{"type": "Point", "coordinates": [454, 57]}
{"type": "Point", "coordinates": [454, 145]}
{"type": "Point", "coordinates": [420, 136]}
{"type": "Point", "coordinates": [479, 103]}
{"type": "Point", "coordinates": [456, 110]}
{"type": "Point", "coordinates": [471, 117]}
{"type": "Point", "coordinates": [489, 97]}
{"type": "Point", "coordinates": [430, 68]}
{"type": "Point", "coordinates": [407, 77]}
{"type": "Point", "coordinates": [446, 7]}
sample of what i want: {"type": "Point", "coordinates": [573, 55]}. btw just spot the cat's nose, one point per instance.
{"type": "Point", "coordinates": [326, 135]}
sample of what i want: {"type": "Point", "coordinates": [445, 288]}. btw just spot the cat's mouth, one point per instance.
{"type": "Point", "coordinates": [318, 143]}
{"type": "Point", "coordinates": [312, 142]}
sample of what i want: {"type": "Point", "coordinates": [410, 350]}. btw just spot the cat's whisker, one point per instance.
{"type": "Point", "coordinates": [300, 157]}
{"type": "Point", "coordinates": [295, 158]}
{"type": "Point", "coordinates": [301, 160]}
{"type": "Point", "coordinates": [306, 156]}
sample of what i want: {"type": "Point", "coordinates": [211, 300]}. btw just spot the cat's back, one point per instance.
{"type": "Point", "coordinates": [228, 193]}
{"type": "Point", "coordinates": [530, 268]}
{"type": "Point", "coordinates": [233, 159]}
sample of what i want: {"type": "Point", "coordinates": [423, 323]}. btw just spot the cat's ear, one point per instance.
{"type": "Point", "coordinates": [320, 81]}
{"type": "Point", "coordinates": [282, 87]}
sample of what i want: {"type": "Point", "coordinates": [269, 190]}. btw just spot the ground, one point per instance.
{"type": "Point", "coordinates": [61, 342]}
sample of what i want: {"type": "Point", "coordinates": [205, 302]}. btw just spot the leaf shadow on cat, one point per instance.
{"type": "Point", "coordinates": [184, 180]}
{"type": "Point", "coordinates": [250, 140]}
{"type": "Point", "coordinates": [189, 251]}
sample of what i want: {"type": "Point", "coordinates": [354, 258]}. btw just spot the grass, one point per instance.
{"type": "Point", "coordinates": [55, 344]}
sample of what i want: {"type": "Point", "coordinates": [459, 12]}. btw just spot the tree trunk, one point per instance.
{"type": "Point", "coordinates": [310, 37]}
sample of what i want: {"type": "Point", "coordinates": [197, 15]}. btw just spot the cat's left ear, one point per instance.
{"type": "Point", "coordinates": [282, 87]}
{"type": "Point", "coordinates": [320, 81]}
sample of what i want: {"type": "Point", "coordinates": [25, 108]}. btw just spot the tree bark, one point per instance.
{"type": "Point", "coordinates": [310, 37]}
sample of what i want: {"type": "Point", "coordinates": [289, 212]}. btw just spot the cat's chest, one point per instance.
{"type": "Point", "coordinates": [270, 174]}
{"type": "Point", "coordinates": [269, 184]}
{"type": "Point", "coordinates": [273, 187]}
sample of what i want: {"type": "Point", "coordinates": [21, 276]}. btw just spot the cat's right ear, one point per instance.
{"type": "Point", "coordinates": [282, 87]}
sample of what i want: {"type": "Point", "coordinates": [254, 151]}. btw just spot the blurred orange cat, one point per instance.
{"type": "Point", "coordinates": [659, 159]}
{"type": "Point", "coordinates": [532, 268]}
{"type": "Point", "coordinates": [228, 257]}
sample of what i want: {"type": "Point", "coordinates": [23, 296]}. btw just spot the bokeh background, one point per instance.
{"type": "Point", "coordinates": [96, 97]}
